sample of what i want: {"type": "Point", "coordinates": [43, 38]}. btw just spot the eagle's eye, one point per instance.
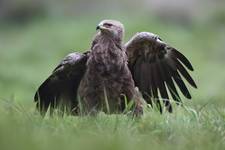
{"type": "Point", "coordinates": [107, 25]}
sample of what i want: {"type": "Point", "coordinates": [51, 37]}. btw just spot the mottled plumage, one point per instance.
{"type": "Point", "coordinates": [111, 71]}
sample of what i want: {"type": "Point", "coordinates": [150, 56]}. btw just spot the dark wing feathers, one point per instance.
{"type": "Point", "coordinates": [182, 58]}
{"type": "Point", "coordinates": [184, 73]}
{"type": "Point", "coordinates": [169, 82]}
{"type": "Point", "coordinates": [162, 86]}
{"type": "Point", "coordinates": [60, 88]}
{"type": "Point", "coordinates": [156, 68]}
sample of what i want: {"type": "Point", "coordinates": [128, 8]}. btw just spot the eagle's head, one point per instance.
{"type": "Point", "coordinates": [111, 28]}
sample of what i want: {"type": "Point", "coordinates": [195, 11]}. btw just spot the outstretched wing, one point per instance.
{"type": "Point", "coordinates": [157, 68]}
{"type": "Point", "coordinates": [60, 88]}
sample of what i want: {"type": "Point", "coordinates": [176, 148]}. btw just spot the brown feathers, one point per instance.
{"type": "Point", "coordinates": [154, 67]}
{"type": "Point", "coordinates": [163, 68]}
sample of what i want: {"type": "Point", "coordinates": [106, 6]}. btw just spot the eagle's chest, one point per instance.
{"type": "Point", "coordinates": [106, 61]}
{"type": "Point", "coordinates": [105, 69]}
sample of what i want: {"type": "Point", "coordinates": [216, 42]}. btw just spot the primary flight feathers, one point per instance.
{"type": "Point", "coordinates": [111, 69]}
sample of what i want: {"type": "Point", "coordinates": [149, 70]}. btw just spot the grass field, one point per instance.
{"type": "Point", "coordinates": [28, 54]}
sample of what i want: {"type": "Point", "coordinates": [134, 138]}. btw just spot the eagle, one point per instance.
{"type": "Point", "coordinates": [112, 74]}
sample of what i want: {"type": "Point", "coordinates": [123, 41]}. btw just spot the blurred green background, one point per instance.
{"type": "Point", "coordinates": [36, 34]}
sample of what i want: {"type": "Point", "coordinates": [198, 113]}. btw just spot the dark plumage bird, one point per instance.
{"type": "Point", "coordinates": [102, 78]}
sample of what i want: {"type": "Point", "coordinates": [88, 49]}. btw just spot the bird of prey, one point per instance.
{"type": "Point", "coordinates": [112, 73]}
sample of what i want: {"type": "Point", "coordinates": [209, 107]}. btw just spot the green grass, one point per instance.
{"type": "Point", "coordinates": [185, 129]}
{"type": "Point", "coordinates": [29, 53]}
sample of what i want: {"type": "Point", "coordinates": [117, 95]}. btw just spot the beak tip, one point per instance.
{"type": "Point", "coordinates": [98, 27]}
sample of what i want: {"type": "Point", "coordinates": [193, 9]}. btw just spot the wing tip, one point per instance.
{"type": "Point", "coordinates": [36, 96]}
{"type": "Point", "coordinates": [195, 86]}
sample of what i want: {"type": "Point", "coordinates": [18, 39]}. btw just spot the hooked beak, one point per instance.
{"type": "Point", "coordinates": [98, 27]}
{"type": "Point", "coordinates": [101, 27]}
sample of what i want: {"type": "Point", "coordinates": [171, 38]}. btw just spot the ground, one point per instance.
{"type": "Point", "coordinates": [30, 52]}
